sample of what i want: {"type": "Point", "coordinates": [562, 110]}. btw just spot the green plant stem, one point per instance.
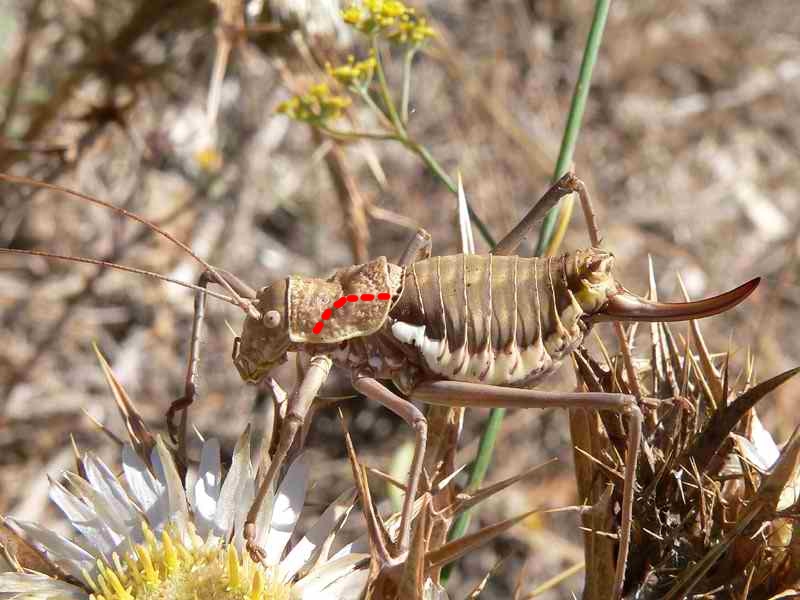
{"type": "Point", "coordinates": [426, 157]}
{"type": "Point", "coordinates": [407, 60]}
{"type": "Point", "coordinates": [356, 135]}
{"type": "Point", "coordinates": [437, 169]}
{"type": "Point", "coordinates": [478, 472]}
{"type": "Point", "coordinates": [574, 118]}
{"type": "Point", "coordinates": [385, 92]}
{"type": "Point", "coordinates": [364, 95]}
{"type": "Point", "coordinates": [575, 115]}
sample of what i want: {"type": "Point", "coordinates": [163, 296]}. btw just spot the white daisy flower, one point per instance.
{"type": "Point", "coordinates": [152, 536]}
{"type": "Point", "coordinates": [761, 451]}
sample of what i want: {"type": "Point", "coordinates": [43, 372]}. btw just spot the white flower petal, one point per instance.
{"type": "Point", "coordinates": [358, 546]}
{"type": "Point", "coordinates": [206, 489]}
{"type": "Point", "coordinates": [789, 495]}
{"type": "Point", "coordinates": [309, 547]}
{"type": "Point", "coordinates": [361, 545]}
{"type": "Point", "coordinates": [315, 583]}
{"type": "Point", "coordinates": [30, 585]}
{"type": "Point", "coordinates": [66, 554]}
{"type": "Point", "coordinates": [286, 509]}
{"type": "Point", "coordinates": [348, 587]}
{"type": "Point", "coordinates": [83, 518]}
{"type": "Point", "coordinates": [432, 591]}
{"type": "Point", "coordinates": [767, 449]}
{"type": "Point", "coordinates": [177, 508]}
{"type": "Point", "coordinates": [145, 488]}
{"type": "Point", "coordinates": [102, 505]}
{"type": "Point", "coordinates": [237, 491]}
{"type": "Point", "coordinates": [101, 477]}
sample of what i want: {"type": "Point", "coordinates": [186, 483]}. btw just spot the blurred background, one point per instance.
{"type": "Point", "coordinates": [690, 148]}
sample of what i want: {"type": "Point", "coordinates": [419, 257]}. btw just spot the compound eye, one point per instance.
{"type": "Point", "coordinates": [272, 318]}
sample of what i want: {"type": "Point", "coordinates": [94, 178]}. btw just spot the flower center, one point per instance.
{"type": "Point", "coordinates": [169, 569]}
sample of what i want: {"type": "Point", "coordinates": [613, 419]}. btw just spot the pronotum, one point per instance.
{"type": "Point", "coordinates": [460, 330]}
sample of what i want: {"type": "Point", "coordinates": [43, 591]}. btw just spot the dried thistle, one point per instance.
{"type": "Point", "coordinates": [716, 500]}
{"type": "Point", "coordinates": [416, 574]}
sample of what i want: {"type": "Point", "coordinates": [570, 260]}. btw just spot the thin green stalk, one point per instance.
{"type": "Point", "coordinates": [357, 135]}
{"type": "Point", "coordinates": [568, 142]}
{"type": "Point", "coordinates": [386, 94]}
{"type": "Point", "coordinates": [478, 473]}
{"type": "Point", "coordinates": [364, 95]}
{"type": "Point", "coordinates": [575, 116]}
{"type": "Point", "coordinates": [407, 60]}
{"type": "Point", "coordinates": [437, 169]}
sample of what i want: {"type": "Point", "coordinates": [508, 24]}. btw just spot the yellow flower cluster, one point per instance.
{"type": "Point", "coordinates": [412, 30]}
{"type": "Point", "coordinates": [170, 568]}
{"type": "Point", "coordinates": [353, 73]}
{"type": "Point", "coordinates": [317, 106]}
{"type": "Point", "coordinates": [390, 18]}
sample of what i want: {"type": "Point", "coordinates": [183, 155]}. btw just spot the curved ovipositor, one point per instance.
{"type": "Point", "coordinates": [627, 306]}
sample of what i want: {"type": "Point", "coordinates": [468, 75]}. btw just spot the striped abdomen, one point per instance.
{"type": "Point", "coordinates": [502, 320]}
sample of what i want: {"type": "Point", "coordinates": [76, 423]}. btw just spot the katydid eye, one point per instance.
{"type": "Point", "coordinates": [272, 318]}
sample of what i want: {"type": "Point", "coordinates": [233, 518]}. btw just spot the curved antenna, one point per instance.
{"type": "Point", "coordinates": [110, 265]}
{"type": "Point", "coordinates": [247, 307]}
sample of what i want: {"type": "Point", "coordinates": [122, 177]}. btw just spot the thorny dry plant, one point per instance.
{"type": "Point", "coordinates": [717, 502]}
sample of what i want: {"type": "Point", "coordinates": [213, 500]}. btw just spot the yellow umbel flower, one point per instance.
{"type": "Point", "coordinates": [390, 19]}
{"type": "Point", "coordinates": [316, 106]}
{"type": "Point", "coordinates": [412, 30]}
{"type": "Point", "coordinates": [357, 74]}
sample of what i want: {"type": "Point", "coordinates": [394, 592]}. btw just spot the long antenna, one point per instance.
{"type": "Point", "coordinates": [246, 306]}
{"type": "Point", "coordinates": [110, 265]}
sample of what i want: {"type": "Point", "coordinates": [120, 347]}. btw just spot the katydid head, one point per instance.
{"type": "Point", "coordinates": [603, 298]}
{"type": "Point", "coordinates": [265, 340]}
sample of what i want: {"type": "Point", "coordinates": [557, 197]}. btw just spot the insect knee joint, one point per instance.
{"type": "Point", "coordinates": [631, 408]}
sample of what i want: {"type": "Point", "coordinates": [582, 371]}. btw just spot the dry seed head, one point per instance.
{"type": "Point", "coordinates": [696, 491]}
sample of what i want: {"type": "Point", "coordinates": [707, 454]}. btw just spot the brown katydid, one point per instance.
{"type": "Point", "coordinates": [461, 330]}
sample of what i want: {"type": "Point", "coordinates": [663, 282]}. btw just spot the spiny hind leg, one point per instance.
{"type": "Point", "coordinates": [589, 214]}
{"type": "Point", "coordinates": [419, 248]}
{"type": "Point", "coordinates": [456, 393]}
{"type": "Point", "coordinates": [509, 244]}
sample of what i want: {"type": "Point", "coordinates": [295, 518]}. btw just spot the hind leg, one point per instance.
{"type": "Point", "coordinates": [419, 248]}
{"type": "Point", "coordinates": [456, 393]}
{"type": "Point", "coordinates": [566, 185]}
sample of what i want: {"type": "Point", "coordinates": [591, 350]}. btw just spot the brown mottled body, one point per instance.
{"type": "Point", "coordinates": [503, 320]}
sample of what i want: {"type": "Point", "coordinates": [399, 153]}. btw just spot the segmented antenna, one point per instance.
{"type": "Point", "coordinates": [110, 265]}
{"type": "Point", "coordinates": [246, 306]}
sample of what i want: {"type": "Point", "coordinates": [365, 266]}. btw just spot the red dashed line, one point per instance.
{"type": "Point", "coordinates": [328, 313]}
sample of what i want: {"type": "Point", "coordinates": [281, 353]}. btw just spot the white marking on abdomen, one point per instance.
{"type": "Point", "coordinates": [501, 367]}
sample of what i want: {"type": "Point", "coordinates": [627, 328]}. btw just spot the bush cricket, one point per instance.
{"type": "Point", "coordinates": [460, 330]}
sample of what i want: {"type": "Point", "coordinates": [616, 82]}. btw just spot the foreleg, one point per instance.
{"type": "Point", "coordinates": [190, 382]}
{"type": "Point", "coordinates": [296, 410]}
{"type": "Point", "coordinates": [456, 393]}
